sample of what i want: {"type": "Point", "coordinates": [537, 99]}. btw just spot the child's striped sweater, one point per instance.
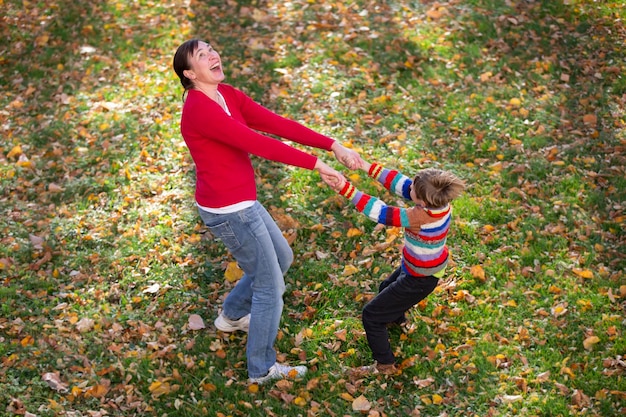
{"type": "Point", "coordinates": [425, 230]}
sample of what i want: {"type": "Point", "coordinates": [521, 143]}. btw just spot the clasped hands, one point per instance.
{"type": "Point", "coordinates": [347, 157]}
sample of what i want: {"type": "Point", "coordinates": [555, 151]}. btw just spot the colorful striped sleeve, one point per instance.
{"type": "Point", "coordinates": [392, 180]}
{"type": "Point", "coordinates": [374, 208]}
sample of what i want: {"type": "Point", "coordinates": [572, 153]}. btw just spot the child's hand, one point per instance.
{"type": "Point", "coordinates": [336, 183]}
{"type": "Point", "coordinates": [333, 178]}
{"type": "Point", "coordinates": [364, 165]}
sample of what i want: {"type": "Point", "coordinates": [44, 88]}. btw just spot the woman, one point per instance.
{"type": "Point", "coordinates": [220, 125]}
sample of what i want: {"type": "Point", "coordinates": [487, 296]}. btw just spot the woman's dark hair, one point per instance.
{"type": "Point", "coordinates": [181, 61]}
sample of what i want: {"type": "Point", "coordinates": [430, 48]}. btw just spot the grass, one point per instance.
{"type": "Point", "coordinates": [103, 258]}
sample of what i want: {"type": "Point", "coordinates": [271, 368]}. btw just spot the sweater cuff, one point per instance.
{"type": "Point", "coordinates": [348, 190]}
{"type": "Point", "coordinates": [375, 170]}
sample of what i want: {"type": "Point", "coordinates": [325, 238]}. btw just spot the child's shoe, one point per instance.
{"type": "Point", "coordinates": [376, 368]}
{"type": "Point", "coordinates": [387, 369]}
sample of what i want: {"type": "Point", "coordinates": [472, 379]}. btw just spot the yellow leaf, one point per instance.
{"type": "Point", "coordinates": [566, 370]}
{"type": "Point", "coordinates": [515, 102]}
{"type": "Point", "coordinates": [16, 151]}
{"type": "Point", "coordinates": [589, 342]}
{"type": "Point", "coordinates": [353, 232]}
{"type": "Point", "coordinates": [488, 228]}
{"type": "Point", "coordinates": [350, 270]}
{"type": "Point", "coordinates": [354, 177]}
{"type": "Point", "coordinates": [254, 388]}
{"type": "Point", "coordinates": [437, 399]}
{"type": "Point", "coordinates": [583, 273]}
{"type": "Point", "coordinates": [42, 40]}
{"type": "Point", "coordinates": [97, 391]}
{"type": "Point", "coordinates": [346, 396]}
{"type": "Point", "coordinates": [158, 388]}
{"type": "Point", "coordinates": [233, 272]}
{"type": "Point", "coordinates": [299, 401]}
{"type": "Point", "coordinates": [27, 341]}
{"type": "Point", "coordinates": [478, 272]}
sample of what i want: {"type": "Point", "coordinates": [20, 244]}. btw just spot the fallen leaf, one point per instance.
{"type": "Point", "coordinates": [349, 270]}
{"type": "Point", "coordinates": [423, 383]}
{"type": "Point", "coordinates": [361, 404]}
{"type": "Point", "coordinates": [478, 272]}
{"type": "Point", "coordinates": [583, 273]}
{"type": "Point", "coordinates": [589, 342]}
{"type": "Point", "coordinates": [590, 119]}
{"type": "Point", "coordinates": [152, 289]}
{"type": "Point", "coordinates": [84, 325]}
{"type": "Point", "coordinates": [233, 272]}
{"type": "Point", "coordinates": [195, 322]}
{"type": "Point", "coordinates": [507, 399]}
{"type": "Point", "coordinates": [54, 381]}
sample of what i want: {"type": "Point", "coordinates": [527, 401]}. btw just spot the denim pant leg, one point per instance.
{"type": "Point", "coordinates": [393, 301]}
{"type": "Point", "coordinates": [256, 242]}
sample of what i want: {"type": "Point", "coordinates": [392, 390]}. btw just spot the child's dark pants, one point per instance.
{"type": "Point", "coordinates": [397, 294]}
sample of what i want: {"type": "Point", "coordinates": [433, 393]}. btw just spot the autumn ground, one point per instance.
{"type": "Point", "coordinates": [106, 267]}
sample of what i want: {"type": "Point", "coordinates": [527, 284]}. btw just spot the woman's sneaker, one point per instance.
{"type": "Point", "coordinates": [279, 371]}
{"type": "Point", "coordinates": [225, 324]}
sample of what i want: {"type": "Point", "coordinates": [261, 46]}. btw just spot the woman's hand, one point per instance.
{"type": "Point", "coordinates": [348, 157]}
{"type": "Point", "coordinates": [333, 178]}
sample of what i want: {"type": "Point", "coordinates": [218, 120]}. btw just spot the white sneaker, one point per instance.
{"type": "Point", "coordinates": [225, 324]}
{"type": "Point", "coordinates": [279, 371]}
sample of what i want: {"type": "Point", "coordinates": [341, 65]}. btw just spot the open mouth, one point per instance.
{"type": "Point", "coordinates": [215, 67]}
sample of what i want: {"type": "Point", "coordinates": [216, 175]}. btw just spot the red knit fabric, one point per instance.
{"type": "Point", "coordinates": [220, 144]}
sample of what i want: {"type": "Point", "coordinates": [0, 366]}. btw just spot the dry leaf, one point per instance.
{"type": "Point", "coordinates": [233, 272]}
{"type": "Point", "coordinates": [583, 273]}
{"type": "Point", "coordinates": [152, 289]}
{"type": "Point", "coordinates": [423, 383]}
{"type": "Point", "coordinates": [349, 270]}
{"type": "Point", "coordinates": [478, 272]}
{"type": "Point", "coordinates": [36, 241]}
{"type": "Point", "coordinates": [196, 322]}
{"type": "Point", "coordinates": [589, 342]}
{"type": "Point", "coordinates": [54, 188]}
{"type": "Point", "coordinates": [590, 119]}
{"type": "Point", "coordinates": [84, 325]}
{"type": "Point", "coordinates": [507, 399]}
{"type": "Point", "coordinates": [54, 381]}
{"type": "Point", "coordinates": [361, 404]}
{"type": "Point", "coordinates": [543, 377]}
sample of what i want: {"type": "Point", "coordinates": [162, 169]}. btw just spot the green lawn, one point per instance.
{"type": "Point", "coordinates": [103, 258]}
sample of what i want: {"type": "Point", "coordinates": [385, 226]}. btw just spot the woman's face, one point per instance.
{"type": "Point", "coordinates": [206, 65]}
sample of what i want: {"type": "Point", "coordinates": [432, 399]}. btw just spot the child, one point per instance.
{"type": "Point", "coordinates": [424, 255]}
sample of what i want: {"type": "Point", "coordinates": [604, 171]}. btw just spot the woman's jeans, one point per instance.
{"type": "Point", "coordinates": [397, 294]}
{"type": "Point", "coordinates": [264, 255]}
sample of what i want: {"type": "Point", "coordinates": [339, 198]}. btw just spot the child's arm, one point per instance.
{"type": "Point", "coordinates": [376, 209]}
{"type": "Point", "coordinates": [392, 180]}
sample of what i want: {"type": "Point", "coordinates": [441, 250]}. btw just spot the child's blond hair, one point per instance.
{"type": "Point", "coordinates": [436, 187]}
